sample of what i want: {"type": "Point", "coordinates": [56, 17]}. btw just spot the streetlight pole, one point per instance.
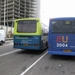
{"type": "Point", "coordinates": [4, 14]}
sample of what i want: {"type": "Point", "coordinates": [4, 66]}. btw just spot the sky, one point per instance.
{"type": "Point", "coordinates": [56, 8]}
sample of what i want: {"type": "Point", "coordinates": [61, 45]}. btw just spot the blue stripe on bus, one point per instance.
{"type": "Point", "coordinates": [20, 41]}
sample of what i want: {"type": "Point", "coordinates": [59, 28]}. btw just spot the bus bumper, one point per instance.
{"type": "Point", "coordinates": [61, 53]}
{"type": "Point", "coordinates": [27, 48]}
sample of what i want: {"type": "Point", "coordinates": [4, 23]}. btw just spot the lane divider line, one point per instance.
{"type": "Point", "coordinates": [33, 64]}
{"type": "Point", "coordinates": [4, 54]}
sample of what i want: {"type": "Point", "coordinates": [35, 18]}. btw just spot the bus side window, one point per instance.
{"type": "Point", "coordinates": [44, 34]}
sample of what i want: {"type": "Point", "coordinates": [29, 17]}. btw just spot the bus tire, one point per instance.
{"type": "Point", "coordinates": [42, 46]}
{"type": "Point", "coordinates": [46, 44]}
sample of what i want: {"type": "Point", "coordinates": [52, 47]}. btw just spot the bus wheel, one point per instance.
{"type": "Point", "coordinates": [46, 44]}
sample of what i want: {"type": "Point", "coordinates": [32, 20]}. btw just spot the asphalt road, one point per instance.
{"type": "Point", "coordinates": [19, 62]}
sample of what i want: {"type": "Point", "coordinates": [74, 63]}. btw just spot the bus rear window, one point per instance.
{"type": "Point", "coordinates": [63, 26]}
{"type": "Point", "coordinates": [26, 26]}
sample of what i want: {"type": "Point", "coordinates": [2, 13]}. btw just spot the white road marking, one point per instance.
{"type": "Point", "coordinates": [33, 64]}
{"type": "Point", "coordinates": [9, 41]}
{"type": "Point", "coordinates": [1, 55]}
{"type": "Point", "coordinates": [7, 44]}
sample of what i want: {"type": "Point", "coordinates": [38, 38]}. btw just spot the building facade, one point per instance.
{"type": "Point", "coordinates": [15, 9]}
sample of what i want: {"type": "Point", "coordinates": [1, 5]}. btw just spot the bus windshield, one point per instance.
{"type": "Point", "coordinates": [26, 26]}
{"type": "Point", "coordinates": [63, 26]}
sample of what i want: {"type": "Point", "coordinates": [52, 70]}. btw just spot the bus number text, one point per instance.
{"type": "Point", "coordinates": [62, 45]}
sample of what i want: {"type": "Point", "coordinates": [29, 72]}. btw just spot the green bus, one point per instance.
{"type": "Point", "coordinates": [29, 34]}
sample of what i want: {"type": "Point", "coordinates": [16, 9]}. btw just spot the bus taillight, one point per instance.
{"type": "Point", "coordinates": [35, 44]}
{"type": "Point", "coordinates": [15, 44]}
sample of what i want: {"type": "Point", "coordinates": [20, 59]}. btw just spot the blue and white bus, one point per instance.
{"type": "Point", "coordinates": [61, 39]}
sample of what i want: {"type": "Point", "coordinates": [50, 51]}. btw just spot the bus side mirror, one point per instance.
{"type": "Point", "coordinates": [16, 21]}
{"type": "Point", "coordinates": [37, 21]}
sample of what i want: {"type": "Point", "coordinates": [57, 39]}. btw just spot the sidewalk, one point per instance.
{"type": "Point", "coordinates": [9, 39]}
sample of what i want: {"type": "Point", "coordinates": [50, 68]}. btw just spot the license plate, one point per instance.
{"type": "Point", "coordinates": [67, 50]}
{"type": "Point", "coordinates": [25, 44]}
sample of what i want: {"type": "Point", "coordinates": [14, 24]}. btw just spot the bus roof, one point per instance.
{"type": "Point", "coordinates": [28, 19]}
{"type": "Point", "coordinates": [63, 18]}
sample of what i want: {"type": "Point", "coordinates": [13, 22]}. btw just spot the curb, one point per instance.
{"type": "Point", "coordinates": [8, 39]}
